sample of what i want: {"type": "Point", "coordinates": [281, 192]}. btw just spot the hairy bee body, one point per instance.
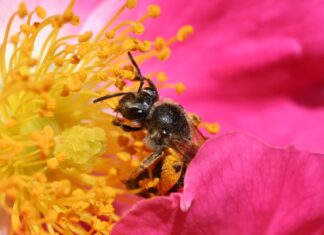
{"type": "Point", "coordinates": [168, 128]}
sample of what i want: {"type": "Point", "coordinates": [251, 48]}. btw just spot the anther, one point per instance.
{"type": "Point", "coordinates": [154, 11]}
{"type": "Point", "coordinates": [184, 32]}
{"type": "Point", "coordinates": [41, 12]}
{"type": "Point", "coordinates": [131, 4]}
{"type": "Point", "coordinates": [22, 10]}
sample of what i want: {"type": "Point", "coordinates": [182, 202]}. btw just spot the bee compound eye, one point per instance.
{"type": "Point", "coordinates": [134, 113]}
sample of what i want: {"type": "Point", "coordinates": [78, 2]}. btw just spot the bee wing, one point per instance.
{"type": "Point", "coordinates": [189, 148]}
{"type": "Point", "coordinates": [197, 137]}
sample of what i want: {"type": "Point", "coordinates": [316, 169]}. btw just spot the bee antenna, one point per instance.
{"type": "Point", "coordinates": [140, 76]}
{"type": "Point", "coordinates": [135, 64]}
{"type": "Point", "coordinates": [110, 96]}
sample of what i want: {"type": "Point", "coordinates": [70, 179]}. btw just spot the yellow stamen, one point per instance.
{"type": "Point", "coordinates": [131, 4]}
{"type": "Point", "coordinates": [61, 160]}
{"type": "Point", "coordinates": [184, 32]}
{"type": "Point", "coordinates": [161, 77]}
{"type": "Point", "coordinates": [154, 11]}
{"type": "Point", "coordinates": [41, 12]}
{"type": "Point", "coordinates": [22, 10]}
{"type": "Point", "coordinates": [212, 128]}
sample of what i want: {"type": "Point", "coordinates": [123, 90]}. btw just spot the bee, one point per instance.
{"type": "Point", "coordinates": [169, 130]}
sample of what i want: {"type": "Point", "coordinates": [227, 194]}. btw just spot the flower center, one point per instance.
{"type": "Point", "coordinates": [55, 176]}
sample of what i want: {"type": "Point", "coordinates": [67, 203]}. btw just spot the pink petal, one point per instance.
{"type": "Point", "coordinates": [156, 216]}
{"type": "Point", "coordinates": [81, 8]}
{"type": "Point", "coordinates": [248, 186]}
{"type": "Point", "coordinates": [102, 14]}
{"type": "Point", "coordinates": [245, 48]}
{"type": "Point", "coordinates": [239, 185]}
{"type": "Point", "coordinates": [278, 121]}
{"type": "Point", "coordinates": [237, 53]}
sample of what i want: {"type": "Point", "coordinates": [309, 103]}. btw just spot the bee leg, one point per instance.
{"type": "Point", "coordinates": [126, 127]}
{"type": "Point", "coordinates": [147, 162]}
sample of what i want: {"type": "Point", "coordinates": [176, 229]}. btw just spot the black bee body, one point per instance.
{"type": "Point", "coordinates": [167, 125]}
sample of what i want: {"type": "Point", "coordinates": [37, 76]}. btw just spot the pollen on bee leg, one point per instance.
{"type": "Point", "coordinates": [148, 183]}
{"type": "Point", "coordinates": [170, 172]}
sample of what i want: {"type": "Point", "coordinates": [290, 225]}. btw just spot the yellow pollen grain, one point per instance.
{"type": "Point", "coordinates": [131, 4]}
{"type": "Point", "coordinates": [154, 11]}
{"type": "Point", "coordinates": [164, 54]}
{"type": "Point", "coordinates": [26, 29]}
{"type": "Point", "coordinates": [84, 48]}
{"type": "Point", "coordinates": [22, 10]}
{"type": "Point", "coordinates": [68, 15]}
{"type": "Point", "coordinates": [69, 48]}
{"type": "Point", "coordinates": [58, 61]}
{"type": "Point", "coordinates": [144, 46]}
{"type": "Point", "coordinates": [55, 173]}
{"type": "Point", "coordinates": [138, 144]}
{"type": "Point", "coordinates": [149, 183]}
{"type": "Point", "coordinates": [40, 176]}
{"type": "Point", "coordinates": [102, 75]}
{"type": "Point", "coordinates": [129, 44]}
{"type": "Point", "coordinates": [138, 28]}
{"type": "Point", "coordinates": [135, 163]}
{"type": "Point", "coordinates": [124, 156]}
{"type": "Point", "coordinates": [41, 12]}
{"type": "Point", "coordinates": [184, 32]}
{"type": "Point", "coordinates": [212, 128]}
{"type": "Point", "coordinates": [75, 20]}
{"type": "Point", "coordinates": [14, 39]}
{"type": "Point", "coordinates": [113, 172]}
{"type": "Point", "coordinates": [120, 84]}
{"type": "Point", "coordinates": [75, 59]}
{"type": "Point", "coordinates": [111, 34]}
{"type": "Point", "coordinates": [53, 163]}
{"type": "Point", "coordinates": [74, 84]}
{"type": "Point", "coordinates": [11, 122]}
{"type": "Point", "coordinates": [60, 157]}
{"type": "Point", "coordinates": [32, 62]}
{"type": "Point", "coordinates": [179, 87]}
{"type": "Point", "coordinates": [159, 43]}
{"type": "Point", "coordinates": [162, 77]}
{"type": "Point", "coordinates": [85, 37]}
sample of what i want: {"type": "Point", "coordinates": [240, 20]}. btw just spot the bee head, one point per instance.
{"type": "Point", "coordinates": [135, 106]}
